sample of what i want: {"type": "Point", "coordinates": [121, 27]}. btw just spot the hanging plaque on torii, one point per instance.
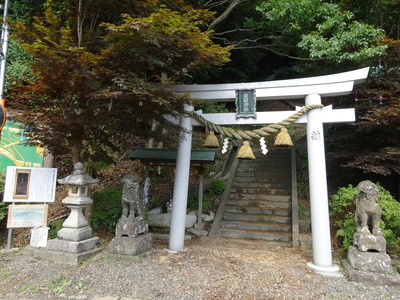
{"type": "Point", "coordinates": [246, 103]}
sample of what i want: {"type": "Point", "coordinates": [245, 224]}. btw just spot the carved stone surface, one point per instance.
{"type": "Point", "coordinates": [126, 227]}
{"type": "Point", "coordinates": [131, 246]}
{"type": "Point", "coordinates": [370, 242]}
{"type": "Point", "coordinates": [369, 261]}
{"type": "Point", "coordinates": [132, 222]}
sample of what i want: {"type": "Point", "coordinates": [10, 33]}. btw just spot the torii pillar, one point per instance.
{"type": "Point", "coordinates": [320, 227]}
{"type": "Point", "coordinates": [181, 183]}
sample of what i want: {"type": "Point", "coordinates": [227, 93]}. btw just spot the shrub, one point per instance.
{"type": "Point", "coordinates": [343, 206]}
{"type": "Point", "coordinates": [216, 189]}
{"type": "Point", "coordinates": [107, 209]}
{"type": "Point", "coordinates": [54, 226]}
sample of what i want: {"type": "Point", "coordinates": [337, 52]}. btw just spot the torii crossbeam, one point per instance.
{"type": "Point", "coordinates": [311, 89]}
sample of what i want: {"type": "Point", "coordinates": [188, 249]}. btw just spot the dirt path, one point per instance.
{"type": "Point", "coordinates": [208, 268]}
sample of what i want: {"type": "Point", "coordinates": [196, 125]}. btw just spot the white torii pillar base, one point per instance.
{"type": "Point", "coordinates": [321, 237]}
{"type": "Point", "coordinates": [181, 184]}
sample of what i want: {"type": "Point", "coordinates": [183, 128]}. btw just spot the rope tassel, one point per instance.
{"type": "Point", "coordinates": [211, 141]}
{"type": "Point", "coordinates": [245, 151]}
{"type": "Point", "coordinates": [283, 139]}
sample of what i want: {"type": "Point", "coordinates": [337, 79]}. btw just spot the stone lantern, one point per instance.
{"type": "Point", "coordinates": [76, 227]}
{"type": "Point", "coordinates": [74, 241]}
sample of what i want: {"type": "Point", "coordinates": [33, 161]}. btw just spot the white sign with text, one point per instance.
{"type": "Point", "coordinates": [30, 184]}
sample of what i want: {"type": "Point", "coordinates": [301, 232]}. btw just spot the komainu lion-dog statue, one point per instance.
{"type": "Point", "coordinates": [368, 212]}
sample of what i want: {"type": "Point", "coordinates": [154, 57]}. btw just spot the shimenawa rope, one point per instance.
{"type": "Point", "coordinates": [256, 133]}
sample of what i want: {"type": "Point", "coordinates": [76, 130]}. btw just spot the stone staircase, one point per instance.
{"type": "Point", "coordinates": [257, 205]}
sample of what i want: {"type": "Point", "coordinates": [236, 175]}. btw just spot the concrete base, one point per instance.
{"type": "Point", "coordinates": [389, 279]}
{"type": "Point", "coordinates": [70, 246]}
{"type": "Point", "coordinates": [73, 234]}
{"type": "Point", "coordinates": [61, 257]}
{"type": "Point", "coordinates": [131, 246]}
{"type": "Point", "coordinates": [332, 271]}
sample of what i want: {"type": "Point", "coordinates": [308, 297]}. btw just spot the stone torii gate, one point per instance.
{"type": "Point", "coordinates": [311, 89]}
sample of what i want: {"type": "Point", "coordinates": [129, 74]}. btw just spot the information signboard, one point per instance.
{"type": "Point", "coordinates": [30, 184]}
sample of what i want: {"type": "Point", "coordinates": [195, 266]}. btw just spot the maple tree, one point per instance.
{"type": "Point", "coordinates": [96, 86]}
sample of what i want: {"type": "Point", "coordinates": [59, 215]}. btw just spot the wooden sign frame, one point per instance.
{"type": "Point", "coordinates": [27, 216]}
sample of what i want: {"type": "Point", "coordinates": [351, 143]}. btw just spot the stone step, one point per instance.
{"type": "Point", "coordinates": [260, 204]}
{"type": "Point", "coordinates": [267, 161]}
{"type": "Point", "coordinates": [257, 226]}
{"type": "Point", "coordinates": [258, 197]}
{"type": "Point", "coordinates": [245, 241]}
{"type": "Point", "coordinates": [262, 178]}
{"type": "Point", "coordinates": [257, 218]}
{"type": "Point", "coordinates": [248, 183]}
{"type": "Point", "coordinates": [260, 171]}
{"type": "Point", "coordinates": [258, 209]}
{"type": "Point", "coordinates": [271, 152]}
{"type": "Point", "coordinates": [255, 235]}
{"type": "Point", "coordinates": [259, 190]}
{"type": "Point", "coordinates": [251, 210]}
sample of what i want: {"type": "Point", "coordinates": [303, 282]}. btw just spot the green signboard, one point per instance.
{"type": "Point", "coordinates": [14, 151]}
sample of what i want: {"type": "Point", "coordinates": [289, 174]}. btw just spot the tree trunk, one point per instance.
{"type": "Point", "coordinates": [48, 158]}
{"type": "Point", "coordinates": [77, 150]}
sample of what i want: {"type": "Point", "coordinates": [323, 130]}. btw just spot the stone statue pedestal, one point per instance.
{"type": "Point", "coordinates": [131, 227]}
{"type": "Point", "coordinates": [370, 242]}
{"type": "Point", "coordinates": [369, 253]}
{"type": "Point", "coordinates": [123, 245]}
{"type": "Point", "coordinates": [369, 261]}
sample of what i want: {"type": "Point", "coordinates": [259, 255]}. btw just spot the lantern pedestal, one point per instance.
{"type": "Point", "coordinates": [75, 228]}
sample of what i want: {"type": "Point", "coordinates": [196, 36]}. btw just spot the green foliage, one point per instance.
{"type": "Point", "coordinates": [110, 94]}
{"type": "Point", "coordinates": [322, 30]}
{"type": "Point", "coordinates": [19, 70]}
{"type": "Point", "coordinates": [343, 206]}
{"type": "Point", "coordinates": [213, 107]}
{"type": "Point", "coordinates": [54, 226]}
{"type": "Point", "coordinates": [217, 188]}
{"type": "Point", "coordinates": [107, 209]}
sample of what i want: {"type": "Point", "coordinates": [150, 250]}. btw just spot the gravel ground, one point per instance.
{"type": "Point", "coordinates": [208, 268]}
